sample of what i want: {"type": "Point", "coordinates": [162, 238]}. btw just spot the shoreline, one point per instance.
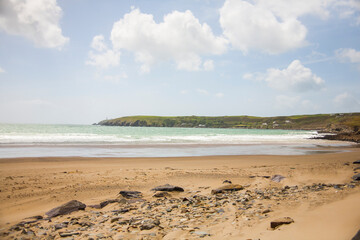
{"type": "Point", "coordinates": [32, 186]}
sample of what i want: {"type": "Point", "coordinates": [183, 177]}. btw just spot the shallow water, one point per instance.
{"type": "Point", "coordinates": [21, 140]}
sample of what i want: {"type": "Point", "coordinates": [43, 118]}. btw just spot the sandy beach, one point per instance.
{"type": "Point", "coordinates": [317, 193]}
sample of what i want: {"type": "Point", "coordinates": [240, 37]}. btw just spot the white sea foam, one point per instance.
{"type": "Point", "coordinates": [81, 138]}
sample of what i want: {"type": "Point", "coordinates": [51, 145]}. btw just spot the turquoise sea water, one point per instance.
{"type": "Point", "coordinates": [22, 140]}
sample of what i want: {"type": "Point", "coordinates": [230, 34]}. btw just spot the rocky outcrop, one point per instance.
{"type": "Point", "coordinates": [66, 208]}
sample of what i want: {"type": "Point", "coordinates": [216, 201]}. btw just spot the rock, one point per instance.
{"type": "Point", "coordinates": [162, 194]}
{"type": "Point", "coordinates": [281, 221]}
{"type": "Point", "coordinates": [356, 162]}
{"type": "Point", "coordinates": [227, 181]}
{"type": "Point", "coordinates": [68, 234]}
{"type": "Point", "coordinates": [149, 224]}
{"type": "Point", "coordinates": [66, 208]}
{"type": "Point", "coordinates": [357, 236]}
{"type": "Point", "coordinates": [201, 233]}
{"type": "Point", "coordinates": [168, 188]}
{"type": "Point", "coordinates": [356, 177]}
{"type": "Point", "coordinates": [227, 188]}
{"type": "Point", "coordinates": [60, 226]}
{"type": "Point", "coordinates": [115, 219]}
{"type": "Point", "coordinates": [104, 203]}
{"type": "Point", "coordinates": [277, 178]}
{"type": "Point", "coordinates": [131, 194]}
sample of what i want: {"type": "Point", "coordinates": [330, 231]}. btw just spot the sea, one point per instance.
{"type": "Point", "coordinates": [39, 140]}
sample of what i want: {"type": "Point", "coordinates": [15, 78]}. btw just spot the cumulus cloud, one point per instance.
{"type": "Point", "coordinates": [255, 26]}
{"type": "Point", "coordinates": [295, 77]}
{"type": "Point", "coordinates": [102, 56]}
{"type": "Point", "coordinates": [37, 20]}
{"type": "Point", "coordinates": [180, 37]}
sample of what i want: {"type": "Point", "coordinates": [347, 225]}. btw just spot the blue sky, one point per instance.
{"type": "Point", "coordinates": [83, 61]}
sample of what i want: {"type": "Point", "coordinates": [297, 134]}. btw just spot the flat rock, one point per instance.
{"type": "Point", "coordinates": [356, 177]}
{"type": "Point", "coordinates": [104, 203]}
{"type": "Point", "coordinates": [168, 188]}
{"type": "Point", "coordinates": [162, 194]}
{"type": "Point", "coordinates": [227, 188]}
{"type": "Point", "coordinates": [131, 194]}
{"type": "Point", "coordinates": [68, 234]}
{"type": "Point", "coordinates": [277, 178]}
{"type": "Point", "coordinates": [66, 208]}
{"type": "Point", "coordinates": [281, 221]}
{"type": "Point", "coordinates": [356, 162]}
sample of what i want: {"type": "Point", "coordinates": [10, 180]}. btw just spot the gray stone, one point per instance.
{"type": "Point", "coordinates": [60, 226]}
{"type": "Point", "coordinates": [356, 177]}
{"type": "Point", "coordinates": [168, 188]}
{"type": "Point", "coordinates": [68, 234]}
{"type": "Point", "coordinates": [277, 178]}
{"type": "Point", "coordinates": [131, 194]}
{"type": "Point", "coordinates": [162, 194]}
{"type": "Point", "coordinates": [227, 188]}
{"type": "Point", "coordinates": [66, 208]}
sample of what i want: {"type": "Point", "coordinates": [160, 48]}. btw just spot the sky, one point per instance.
{"type": "Point", "coordinates": [83, 61]}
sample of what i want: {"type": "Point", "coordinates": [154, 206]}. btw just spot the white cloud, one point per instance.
{"type": "Point", "coordinates": [208, 65]}
{"type": "Point", "coordinates": [98, 43]}
{"type": "Point", "coordinates": [254, 76]}
{"type": "Point", "coordinates": [219, 95]}
{"type": "Point", "coordinates": [347, 102]}
{"type": "Point", "coordinates": [2, 70]}
{"type": "Point", "coordinates": [348, 55]}
{"type": "Point", "coordinates": [103, 57]}
{"type": "Point", "coordinates": [180, 37]}
{"type": "Point", "coordinates": [255, 26]}
{"type": "Point", "coordinates": [295, 77]}
{"type": "Point", "coordinates": [294, 8]}
{"type": "Point", "coordinates": [202, 91]}
{"type": "Point", "coordinates": [37, 20]}
{"type": "Point", "coordinates": [348, 9]}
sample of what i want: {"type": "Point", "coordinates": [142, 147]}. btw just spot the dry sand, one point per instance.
{"type": "Point", "coordinates": [32, 186]}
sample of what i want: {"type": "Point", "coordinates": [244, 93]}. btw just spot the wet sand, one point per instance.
{"type": "Point", "coordinates": [32, 186]}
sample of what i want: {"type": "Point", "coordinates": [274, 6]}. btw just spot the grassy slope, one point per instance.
{"type": "Point", "coordinates": [326, 122]}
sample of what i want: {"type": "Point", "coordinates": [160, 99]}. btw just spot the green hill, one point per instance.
{"type": "Point", "coordinates": [340, 122]}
